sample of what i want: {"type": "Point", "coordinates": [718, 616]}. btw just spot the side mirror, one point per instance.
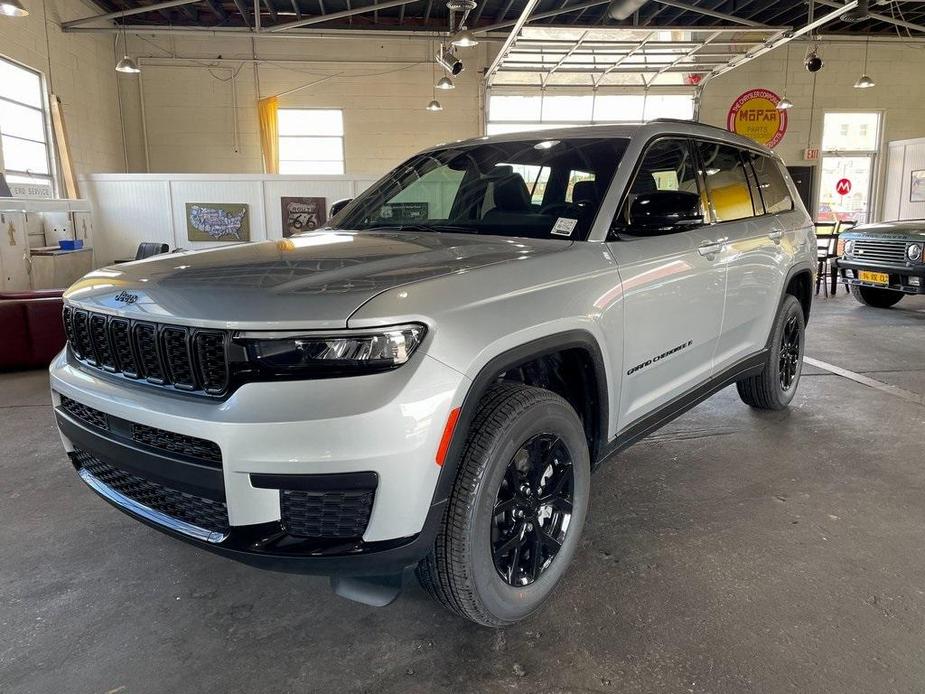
{"type": "Point", "coordinates": [665, 211]}
{"type": "Point", "coordinates": [338, 205]}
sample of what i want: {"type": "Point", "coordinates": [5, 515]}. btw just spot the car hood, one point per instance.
{"type": "Point", "coordinates": [909, 230]}
{"type": "Point", "coordinates": [313, 280]}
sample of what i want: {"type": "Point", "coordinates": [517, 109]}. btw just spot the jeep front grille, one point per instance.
{"type": "Point", "coordinates": [879, 250]}
{"type": "Point", "coordinates": [184, 358]}
{"type": "Point", "coordinates": [198, 511]}
{"type": "Point", "coordinates": [181, 444]}
{"type": "Point", "coordinates": [84, 413]}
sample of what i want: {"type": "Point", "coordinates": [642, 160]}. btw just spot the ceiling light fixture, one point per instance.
{"type": "Point", "coordinates": [785, 104]}
{"type": "Point", "coordinates": [126, 65]}
{"type": "Point", "coordinates": [13, 8]}
{"type": "Point", "coordinates": [448, 61]}
{"type": "Point", "coordinates": [445, 83]}
{"type": "Point", "coordinates": [864, 81]}
{"type": "Point", "coordinates": [434, 105]}
{"type": "Point", "coordinates": [464, 39]}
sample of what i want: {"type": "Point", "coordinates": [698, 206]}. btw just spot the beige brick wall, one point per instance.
{"type": "Point", "coordinates": [896, 68]}
{"type": "Point", "coordinates": [191, 126]}
{"type": "Point", "coordinates": [80, 71]}
{"type": "Point", "coordinates": [382, 88]}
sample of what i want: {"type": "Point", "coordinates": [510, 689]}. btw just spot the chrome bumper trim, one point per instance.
{"type": "Point", "coordinates": [149, 513]}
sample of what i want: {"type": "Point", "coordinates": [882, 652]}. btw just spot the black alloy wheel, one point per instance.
{"type": "Point", "coordinates": [533, 509]}
{"type": "Point", "coordinates": [790, 353]}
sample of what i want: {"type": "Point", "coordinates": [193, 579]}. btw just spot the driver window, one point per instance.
{"type": "Point", "coordinates": [667, 166]}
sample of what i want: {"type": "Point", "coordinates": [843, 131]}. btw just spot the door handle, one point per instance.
{"type": "Point", "coordinates": [710, 248]}
{"type": "Point", "coordinates": [776, 236]}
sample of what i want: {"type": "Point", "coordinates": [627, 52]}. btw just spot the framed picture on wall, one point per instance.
{"type": "Point", "coordinates": [206, 221]}
{"type": "Point", "coordinates": [917, 187]}
{"type": "Point", "coordinates": [302, 214]}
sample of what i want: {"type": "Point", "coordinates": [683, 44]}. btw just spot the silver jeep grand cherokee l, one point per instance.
{"type": "Point", "coordinates": [427, 383]}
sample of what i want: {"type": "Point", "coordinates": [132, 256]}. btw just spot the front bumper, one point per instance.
{"type": "Point", "coordinates": [909, 279]}
{"type": "Point", "coordinates": [272, 436]}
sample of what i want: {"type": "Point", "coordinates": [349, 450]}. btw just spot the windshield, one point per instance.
{"type": "Point", "coordinates": [530, 188]}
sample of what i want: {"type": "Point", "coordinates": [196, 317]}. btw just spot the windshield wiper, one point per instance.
{"type": "Point", "coordinates": [449, 228]}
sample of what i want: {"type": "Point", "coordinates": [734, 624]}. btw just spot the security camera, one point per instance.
{"type": "Point", "coordinates": [813, 62]}
{"type": "Point", "coordinates": [448, 61]}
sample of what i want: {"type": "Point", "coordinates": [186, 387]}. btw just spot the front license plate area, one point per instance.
{"type": "Point", "coordinates": [874, 277]}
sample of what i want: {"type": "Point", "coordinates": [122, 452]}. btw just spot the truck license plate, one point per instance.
{"type": "Point", "coordinates": [875, 277]}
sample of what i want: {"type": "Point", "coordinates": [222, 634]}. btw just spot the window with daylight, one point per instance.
{"type": "Point", "coordinates": [850, 143]}
{"type": "Point", "coordinates": [311, 141]}
{"type": "Point", "coordinates": [23, 132]}
{"type": "Point", "coordinates": [507, 114]}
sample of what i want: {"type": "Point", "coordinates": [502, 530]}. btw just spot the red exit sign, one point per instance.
{"type": "Point", "coordinates": [810, 154]}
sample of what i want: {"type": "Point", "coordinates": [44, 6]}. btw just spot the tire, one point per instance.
{"type": "Point", "coordinates": [775, 386]}
{"type": "Point", "coordinates": [873, 296]}
{"type": "Point", "coordinates": [464, 570]}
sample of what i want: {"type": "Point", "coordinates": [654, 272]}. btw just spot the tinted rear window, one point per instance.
{"type": "Point", "coordinates": [772, 185]}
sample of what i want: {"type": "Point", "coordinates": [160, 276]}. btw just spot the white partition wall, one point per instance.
{"type": "Point", "coordinates": [131, 208]}
{"type": "Point", "coordinates": [899, 199]}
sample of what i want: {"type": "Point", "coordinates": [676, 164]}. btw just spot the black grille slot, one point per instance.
{"type": "Point", "coordinates": [326, 514]}
{"type": "Point", "coordinates": [210, 356]}
{"type": "Point", "coordinates": [189, 446]}
{"type": "Point", "coordinates": [84, 413]}
{"type": "Point", "coordinates": [880, 251]}
{"type": "Point", "coordinates": [99, 336]}
{"type": "Point", "coordinates": [199, 511]}
{"type": "Point", "coordinates": [68, 317]}
{"type": "Point", "coordinates": [121, 340]}
{"type": "Point", "coordinates": [150, 360]}
{"type": "Point", "coordinates": [82, 336]}
{"type": "Point", "coordinates": [177, 357]}
{"type": "Point", "coordinates": [167, 355]}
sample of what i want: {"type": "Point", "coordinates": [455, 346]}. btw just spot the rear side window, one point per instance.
{"type": "Point", "coordinates": [772, 185]}
{"type": "Point", "coordinates": [727, 183]}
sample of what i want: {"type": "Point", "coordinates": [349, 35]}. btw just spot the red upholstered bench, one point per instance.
{"type": "Point", "coordinates": [31, 330]}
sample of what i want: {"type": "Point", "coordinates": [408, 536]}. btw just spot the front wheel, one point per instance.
{"type": "Point", "coordinates": [874, 296]}
{"type": "Point", "coordinates": [516, 512]}
{"type": "Point", "coordinates": [775, 386]}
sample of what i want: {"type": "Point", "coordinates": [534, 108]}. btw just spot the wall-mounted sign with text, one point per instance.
{"type": "Point", "coordinates": [754, 114]}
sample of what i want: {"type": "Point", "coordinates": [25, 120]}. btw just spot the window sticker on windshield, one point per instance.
{"type": "Point", "coordinates": [564, 226]}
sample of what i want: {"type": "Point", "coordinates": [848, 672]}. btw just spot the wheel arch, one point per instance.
{"type": "Point", "coordinates": [799, 283]}
{"type": "Point", "coordinates": [578, 345]}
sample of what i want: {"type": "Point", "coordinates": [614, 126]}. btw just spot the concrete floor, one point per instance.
{"type": "Point", "coordinates": [731, 551]}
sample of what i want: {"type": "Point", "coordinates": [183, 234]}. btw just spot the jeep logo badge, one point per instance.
{"type": "Point", "coordinates": [126, 297]}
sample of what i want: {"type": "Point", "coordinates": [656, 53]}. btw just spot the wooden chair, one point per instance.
{"type": "Point", "coordinates": [826, 245]}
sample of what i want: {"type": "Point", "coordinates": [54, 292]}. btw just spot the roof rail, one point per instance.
{"type": "Point", "coordinates": [685, 121]}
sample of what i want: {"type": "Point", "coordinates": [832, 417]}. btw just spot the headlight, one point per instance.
{"type": "Point", "coordinates": [914, 252]}
{"type": "Point", "coordinates": [330, 354]}
{"type": "Point", "coordinates": [849, 247]}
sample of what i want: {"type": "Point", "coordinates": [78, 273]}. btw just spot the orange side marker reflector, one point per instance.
{"type": "Point", "coordinates": [447, 436]}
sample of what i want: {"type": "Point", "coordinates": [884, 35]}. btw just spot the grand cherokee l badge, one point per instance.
{"type": "Point", "coordinates": [661, 356]}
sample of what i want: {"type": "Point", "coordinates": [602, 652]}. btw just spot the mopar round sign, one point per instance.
{"type": "Point", "coordinates": [754, 114]}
